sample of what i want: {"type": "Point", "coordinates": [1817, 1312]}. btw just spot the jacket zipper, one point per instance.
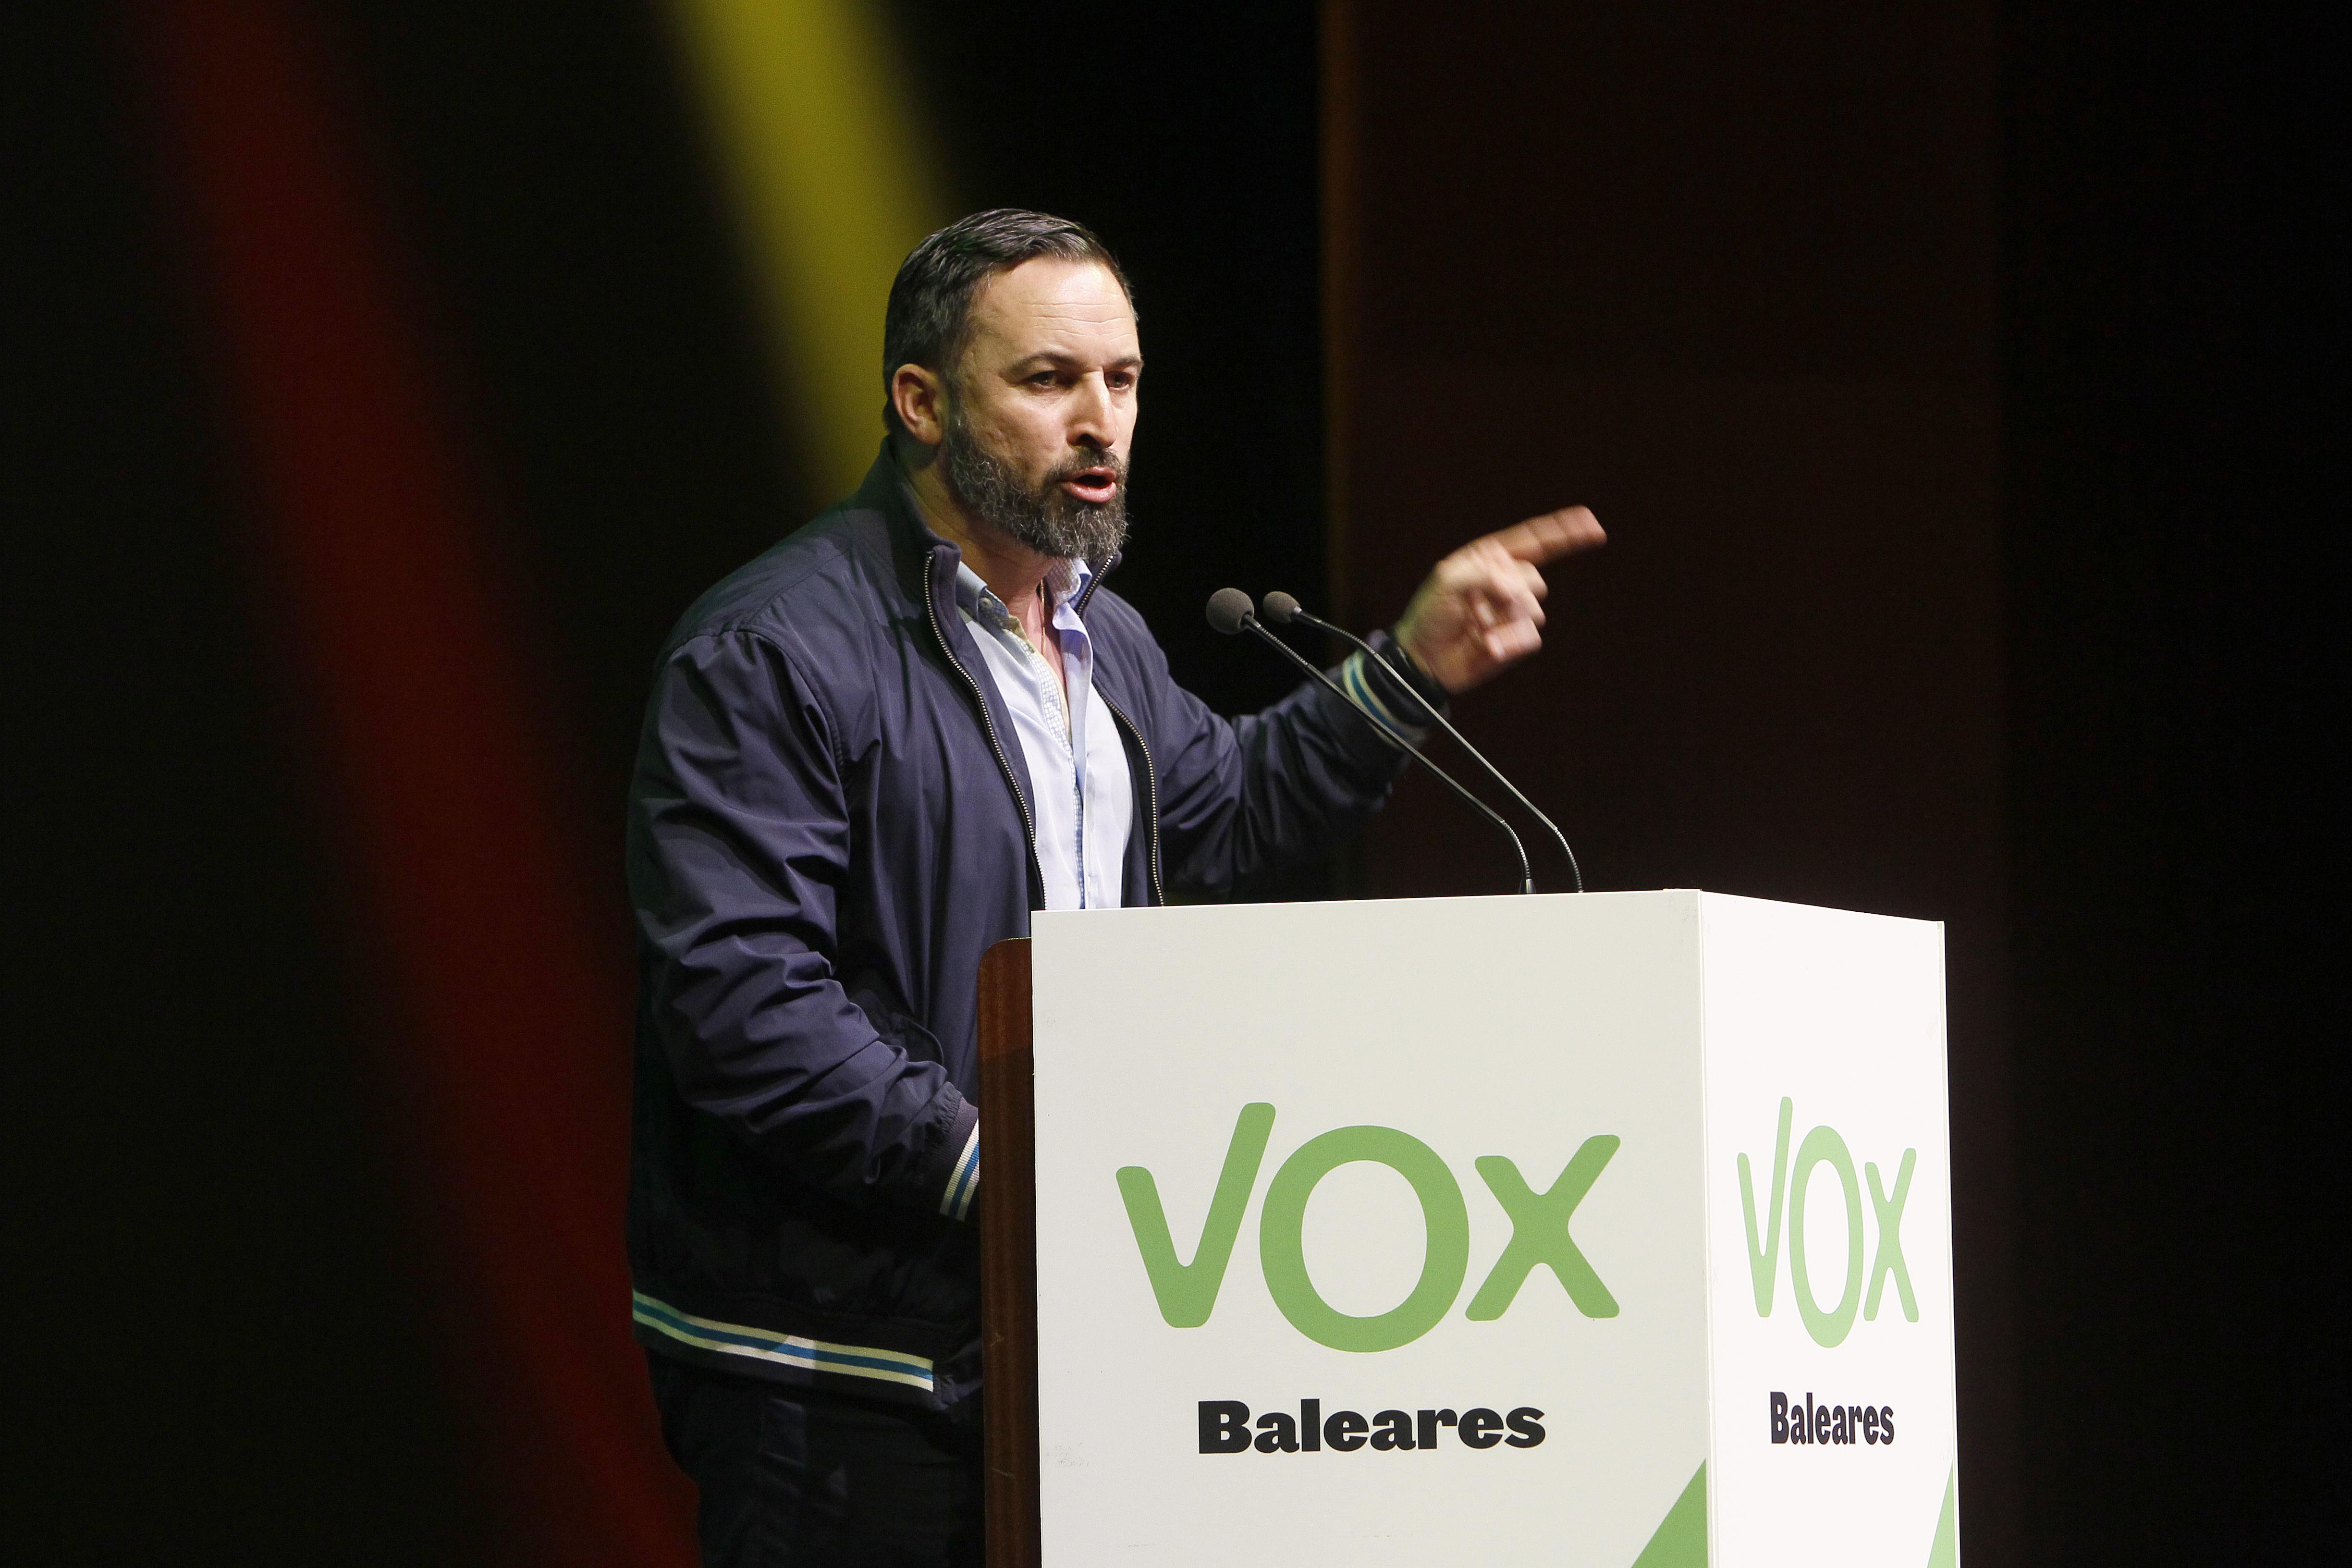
{"type": "Point", "coordinates": [1151, 773]}
{"type": "Point", "coordinates": [1150, 795]}
{"type": "Point", "coordinates": [988, 726]}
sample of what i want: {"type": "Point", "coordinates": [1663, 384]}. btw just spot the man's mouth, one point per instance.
{"type": "Point", "coordinates": [1097, 485]}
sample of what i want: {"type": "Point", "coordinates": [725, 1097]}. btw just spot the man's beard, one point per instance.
{"type": "Point", "coordinates": [1048, 518]}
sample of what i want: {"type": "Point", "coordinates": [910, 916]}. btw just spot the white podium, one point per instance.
{"type": "Point", "coordinates": [1604, 1230]}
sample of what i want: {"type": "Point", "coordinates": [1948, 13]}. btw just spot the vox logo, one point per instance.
{"type": "Point", "coordinates": [1187, 1292]}
{"type": "Point", "coordinates": [1822, 1146]}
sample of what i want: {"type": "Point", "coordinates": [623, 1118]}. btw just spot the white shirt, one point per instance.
{"type": "Point", "coordinates": [1082, 795]}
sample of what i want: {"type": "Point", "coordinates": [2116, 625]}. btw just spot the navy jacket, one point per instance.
{"type": "Point", "coordinates": [828, 825]}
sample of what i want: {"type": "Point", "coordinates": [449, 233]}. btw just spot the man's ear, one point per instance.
{"type": "Point", "coordinates": [920, 396]}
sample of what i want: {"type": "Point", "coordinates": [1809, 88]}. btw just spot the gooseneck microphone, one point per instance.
{"type": "Point", "coordinates": [1282, 610]}
{"type": "Point", "coordinates": [1230, 612]}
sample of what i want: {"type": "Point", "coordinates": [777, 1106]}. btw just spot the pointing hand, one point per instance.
{"type": "Point", "coordinates": [1480, 610]}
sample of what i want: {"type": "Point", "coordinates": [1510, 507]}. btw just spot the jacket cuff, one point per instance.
{"type": "Point", "coordinates": [953, 1170]}
{"type": "Point", "coordinates": [1394, 687]}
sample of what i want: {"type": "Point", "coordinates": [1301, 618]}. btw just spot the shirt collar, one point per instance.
{"type": "Point", "coordinates": [1067, 581]}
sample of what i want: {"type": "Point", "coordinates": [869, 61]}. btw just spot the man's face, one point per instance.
{"type": "Point", "coordinates": [1040, 416]}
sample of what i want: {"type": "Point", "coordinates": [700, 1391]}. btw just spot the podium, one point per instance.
{"type": "Point", "coordinates": [1610, 1229]}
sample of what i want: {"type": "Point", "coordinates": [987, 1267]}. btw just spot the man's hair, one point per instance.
{"type": "Point", "coordinates": [928, 320]}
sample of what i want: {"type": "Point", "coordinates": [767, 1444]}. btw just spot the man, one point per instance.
{"type": "Point", "coordinates": [869, 754]}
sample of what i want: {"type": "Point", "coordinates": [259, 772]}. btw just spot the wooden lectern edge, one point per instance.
{"type": "Point", "coordinates": [1008, 1258]}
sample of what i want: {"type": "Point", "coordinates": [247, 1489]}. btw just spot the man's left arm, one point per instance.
{"type": "Point", "coordinates": [1276, 788]}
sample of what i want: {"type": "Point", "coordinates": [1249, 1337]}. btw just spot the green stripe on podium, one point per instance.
{"type": "Point", "coordinates": [1945, 1552]}
{"type": "Point", "coordinates": [1681, 1538]}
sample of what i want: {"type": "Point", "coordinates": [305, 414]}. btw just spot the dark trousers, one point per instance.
{"type": "Point", "coordinates": [799, 1478]}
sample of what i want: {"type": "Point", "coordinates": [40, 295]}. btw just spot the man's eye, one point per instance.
{"type": "Point", "coordinates": [1044, 378]}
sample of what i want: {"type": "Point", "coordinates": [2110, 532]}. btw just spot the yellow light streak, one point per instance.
{"type": "Point", "coordinates": [833, 179]}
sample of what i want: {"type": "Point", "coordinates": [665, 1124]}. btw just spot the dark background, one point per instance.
{"type": "Point", "coordinates": [1953, 381]}
{"type": "Point", "coordinates": [1957, 383]}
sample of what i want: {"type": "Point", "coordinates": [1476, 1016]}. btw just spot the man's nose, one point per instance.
{"type": "Point", "coordinates": [1090, 414]}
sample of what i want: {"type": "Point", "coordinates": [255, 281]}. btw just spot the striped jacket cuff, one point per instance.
{"type": "Point", "coordinates": [962, 1183]}
{"type": "Point", "coordinates": [1381, 690]}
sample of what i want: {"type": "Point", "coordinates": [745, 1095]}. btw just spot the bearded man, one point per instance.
{"type": "Point", "coordinates": [870, 754]}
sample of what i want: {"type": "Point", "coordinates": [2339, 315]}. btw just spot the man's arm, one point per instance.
{"type": "Point", "coordinates": [738, 842]}
{"type": "Point", "coordinates": [1242, 798]}
{"type": "Point", "coordinates": [1275, 788]}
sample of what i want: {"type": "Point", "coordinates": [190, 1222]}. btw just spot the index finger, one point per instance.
{"type": "Point", "coordinates": [1552, 535]}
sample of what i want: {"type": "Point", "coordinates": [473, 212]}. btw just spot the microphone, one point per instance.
{"type": "Point", "coordinates": [1282, 610]}
{"type": "Point", "coordinates": [1230, 612]}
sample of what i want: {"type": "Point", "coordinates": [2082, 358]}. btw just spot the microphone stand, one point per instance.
{"type": "Point", "coordinates": [1249, 623]}
{"type": "Point", "coordinates": [1282, 609]}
